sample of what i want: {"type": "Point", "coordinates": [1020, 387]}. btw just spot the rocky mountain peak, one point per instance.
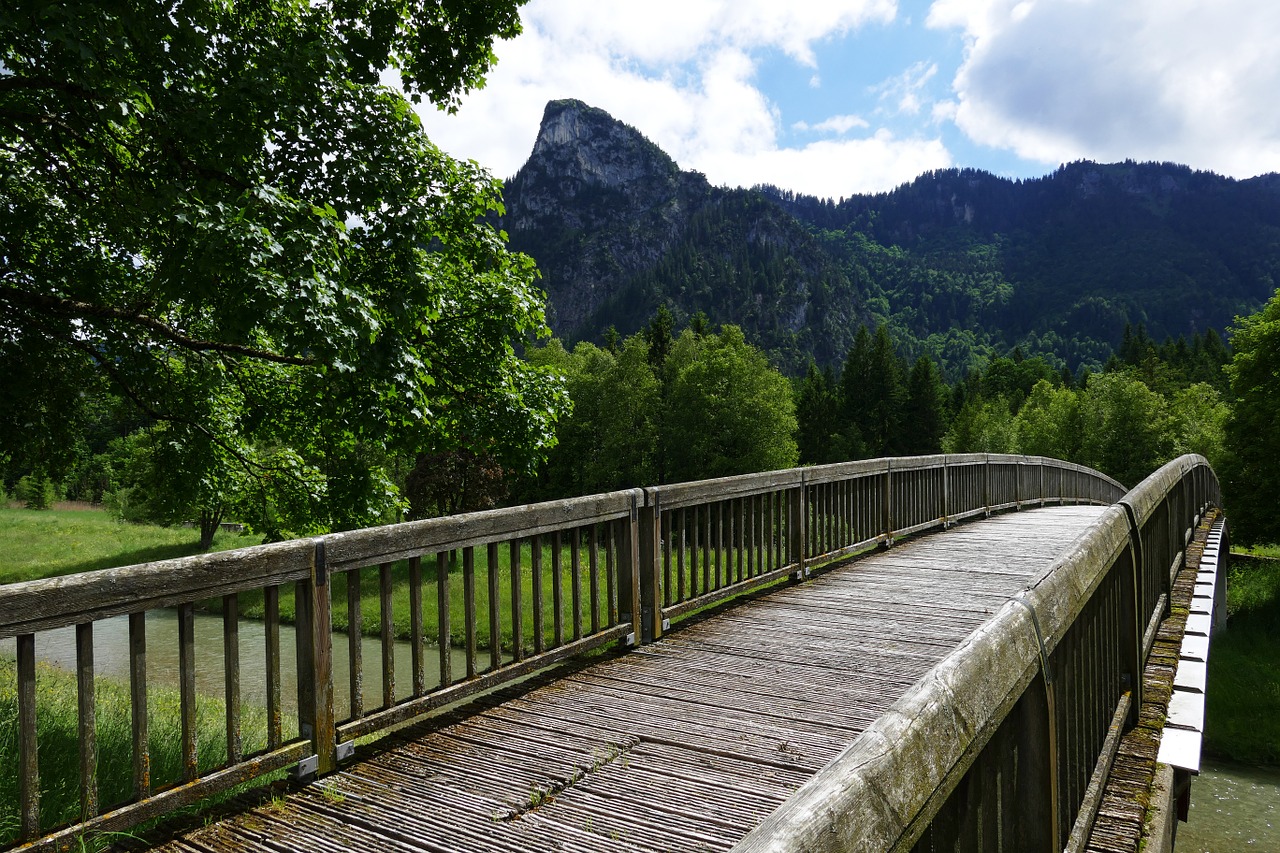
{"type": "Point", "coordinates": [584, 143]}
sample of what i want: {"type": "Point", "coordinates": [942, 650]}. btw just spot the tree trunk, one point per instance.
{"type": "Point", "coordinates": [210, 519]}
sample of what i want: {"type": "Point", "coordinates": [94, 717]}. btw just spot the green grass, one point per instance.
{"type": "Point", "coordinates": [57, 734]}
{"type": "Point", "coordinates": [1243, 714]}
{"type": "Point", "coordinates": [48, 543]}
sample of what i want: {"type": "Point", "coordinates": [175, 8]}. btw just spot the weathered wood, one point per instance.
{"type": "Point", "coordinates": [557, 591]}
{"type": "Point", "coordinates": [476, 529]}
{"type": "Point", "coordinates": [469, 608]}
{"type": "Point", "coordinates": [355, 646]}
{"type": "Point", "coordinates": [42, 605]}
{"type": "Point", "coordinates": [593, 572]}
{"type": "Point", "coordinates": [187, 689]}
{"type": "Point", "coordinates": [416, 638]}
{"type": "Point", "coordinates": [387, 634]}
{"type": "Point", "coordinates": [445, 639]}
{"type": "Point", "coordinates": [87, 717]}
{"type": "Point", "coordinates": [231, 676]}
{"type": "Point", "coordinates": [324, 733]}
{"type": "Point", "coordinates": [535, 589]}
{"type": "Point", "coordinates": [28, 746]}
{"type": "Point", "coordinates": [517, 600]}
{"type": "Point", "coordinates": [138, 705]}
{"type": "Point", "coordinates": [575, 580]}
{"type": "Point", "coordinates": [271, 631]}
{"type": "Point", "coordinates": [495, 607]}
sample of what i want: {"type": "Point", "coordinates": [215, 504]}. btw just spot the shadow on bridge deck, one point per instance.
{"type": "Point", "coordinates": [685, 744]}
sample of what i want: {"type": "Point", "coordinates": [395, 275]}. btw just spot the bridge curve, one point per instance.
{"type": "Point", "coordinates": [926, 690]}
{"type": "Point", "coordinates": [685, 744]}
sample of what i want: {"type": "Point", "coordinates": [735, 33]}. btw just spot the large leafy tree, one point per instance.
{"type": "Point", "coordinates": [217, 209]}
{"type": "Point", "coordinates": [1252, 469]}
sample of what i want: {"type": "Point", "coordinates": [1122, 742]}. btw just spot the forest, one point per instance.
{"type": "Point", "coordinates": [670, 404]}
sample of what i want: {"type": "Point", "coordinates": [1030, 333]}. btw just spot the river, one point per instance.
{"type": "Point", "coordinates": [1234, 807]}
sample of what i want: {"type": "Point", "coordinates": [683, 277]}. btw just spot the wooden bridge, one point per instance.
{"type": "Point", "coordinates": [740, 663]}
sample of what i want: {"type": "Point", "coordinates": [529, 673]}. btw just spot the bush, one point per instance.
{"type": "Point", "coordinates": [36, 491]}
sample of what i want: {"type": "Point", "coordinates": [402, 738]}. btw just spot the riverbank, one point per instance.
{"type": "Point", "coordinates": [1243, 713]}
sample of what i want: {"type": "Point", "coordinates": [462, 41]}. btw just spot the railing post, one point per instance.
{"type": "Point", "coordinates": [986, 483]}
{"type": "Point", "coordinates": [650, 570]}
{"type": "Point", "coordinates": [797, 539]}
{"type": "Point", "coordinates": [887, 497]}
{"type": "Point", "coordinates": [629, 569]}
{"type": "Point", "coordinates": [946, 495]}
{"type": "Point", "coordinates": [315, 667]}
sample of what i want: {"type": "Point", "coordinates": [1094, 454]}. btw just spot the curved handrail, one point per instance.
{"type": "Point", "coordinates": [883, 791]}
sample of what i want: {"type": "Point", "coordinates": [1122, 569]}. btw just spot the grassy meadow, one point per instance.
{"type": "Point", "coordinates": [1243, 714]}
{"type": "Point", "coordinates": [63, 541]}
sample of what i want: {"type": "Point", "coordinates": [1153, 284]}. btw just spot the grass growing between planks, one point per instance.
{"type": "Point", "coordinates": [58, 738]}
{"type": "Point", "coordinates": [1243, 722]}
{"type": "Point", "coordinates": [47, 543]}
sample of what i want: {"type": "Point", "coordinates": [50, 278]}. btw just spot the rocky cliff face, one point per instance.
{"type": "Point", "coordinates": [595, 204]}
{"type": "Point", "coordinates": [617, 229]}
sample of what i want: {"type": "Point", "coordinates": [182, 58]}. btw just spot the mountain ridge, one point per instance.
{"type": "Point", "coordinates": [962, 264]}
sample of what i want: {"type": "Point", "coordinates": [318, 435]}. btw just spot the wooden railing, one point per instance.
{"type": "Point", "coordinates": [1006, 743]}
{"type": "Point", "coordinates": [517, 590]}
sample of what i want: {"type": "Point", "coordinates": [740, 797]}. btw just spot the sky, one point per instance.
{"type": "Point", "coordinates": [856, 96]}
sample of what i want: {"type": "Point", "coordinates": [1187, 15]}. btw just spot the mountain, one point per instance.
{"type": "Point", "coordinates": [962, 264]}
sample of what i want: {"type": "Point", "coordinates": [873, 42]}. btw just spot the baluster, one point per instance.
{"type": "Point", "coordinates": [575, 580]}
{"type": "Point", "coordinates": [443, 601]}
{"type": "Point", "coordinates": [28, 755]}
{"type": "Point", "coordinates": [387, 635]}
{"type": "Point", "coordinates": [495, 607]}
{"type": "Point", "coordinates": [593, 566]}
{"type": "Point", "coordinates": [231, 675]}
{"type": "Point", "coordinates": [535, 555]}
{"type": "Point", "coordinates": [416, 639]}
{"type": "Point", "coordinates": [517, 601]}
{"type": "Point", "coordinates": [271, 631]}
{"type": "Point", "coordinates": [87, 721]}
{"type": "Point", "coordinates": [355, 646]}
{"type": "Point", "coordinates": [469, 606]}
{"type": "Point", "coordinates": [138, 705]}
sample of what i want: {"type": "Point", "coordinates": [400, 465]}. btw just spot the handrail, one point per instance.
{"type": "Point", "coordinates": [529, 586]}
{"type": "Point", "coordinates": [1031, 698]}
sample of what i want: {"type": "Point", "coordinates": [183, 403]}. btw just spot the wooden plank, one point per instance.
{"type": "Point", "coordinates": [468, 530]}
{"type": "Point", "coordinates": [87, 717]}
{"type": "Point", "coordinates": [187, 689]}
{"type": "Point", "coordinates": [416, 637]}
{"type": "Point", "coordinates": [231, 676]}
{"type": "Point", "coordinates": [557, 591]}
{"type": "Point", "coordinates": [575, 580]}
{"type": "Point", "coordinates": [445, 639]}
{"type": "Point", "coordinates": [536, 590]}
{"type": "Point", "coordinates": [469, 608]}
{"type": "Point", "coordinates": [271, 631]}
{"type": "Point", "coordinates": [42, 605]}
{"type": "Point", "coordinates": [355, 646]}
{"type": "Point", "coordinates": [138, 705]}
{"type": "Point", "coordinates": [517, 600]}
{"type": "Point", "coordinates": [387, 633]}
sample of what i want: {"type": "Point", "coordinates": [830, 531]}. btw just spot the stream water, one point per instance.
{"type": "Point", "coordinates": [1234, 807]}
{"type": "Point", "coordinates": [111, 659]}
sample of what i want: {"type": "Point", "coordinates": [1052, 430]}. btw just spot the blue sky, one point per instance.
{"type": "Point", "coordinates": [844, 96]}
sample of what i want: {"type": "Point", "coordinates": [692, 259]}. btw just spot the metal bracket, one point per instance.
{"type": "Point", "coordinates": [346, 749]}
{"type": "Point", "coordinates": [305, 770]}
{"type": "Point", "coordinates": [666, 624]}
{"type": "Point", "coordinates": [630, 639]}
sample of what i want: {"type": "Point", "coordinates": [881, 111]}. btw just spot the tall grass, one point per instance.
{"type": "Point", "coordinates": [58, 739]}
{"type": "Point", "coordinates": [1243, 714]}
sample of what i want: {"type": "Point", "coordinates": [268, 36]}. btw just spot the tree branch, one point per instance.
{"type": "Point", "coordinates": [59, 306]}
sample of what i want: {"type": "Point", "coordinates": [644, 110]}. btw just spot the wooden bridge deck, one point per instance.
{"type": "Point", "coordinates": [685, 744]}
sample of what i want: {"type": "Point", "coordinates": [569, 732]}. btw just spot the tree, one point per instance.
{"type": "Point", "coordinates": [727, 412]}
{"type": "Point", "coordinates": [1252, 469]}
{"type": "Point", "coordinates": [1124, 428]}
{"type": "Point", "coordinates": [1050, 422]}
{"type": "Point", "coordinates": [218, 211]}
{"type": "Point", "coordinates": [818, 417]}
{"type": "Point", "coordinates": [923, 417]}
{"type": "Point", "coordinates": [873, 394]}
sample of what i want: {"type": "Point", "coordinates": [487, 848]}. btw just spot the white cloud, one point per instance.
{"type": "Point", "coordinates": [1182, 80]}
{"type": "Point", "coordinates": [901, 94]}
{"type": "Point", "coordinates": [838, 125]}
{"type": "Point", "coordinates": [683, 73]}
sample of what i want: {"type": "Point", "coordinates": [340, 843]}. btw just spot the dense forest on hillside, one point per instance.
{"type": "Point", "coordinates": [961, 265]}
